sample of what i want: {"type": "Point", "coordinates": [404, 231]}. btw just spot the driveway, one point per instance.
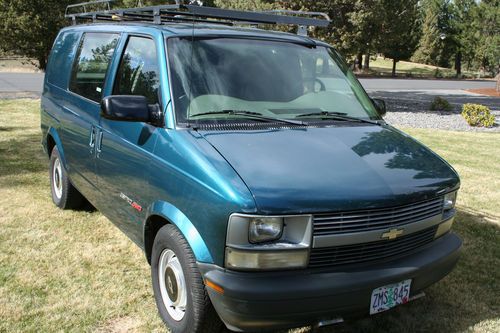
{"type": "Point", "coordinates": [21, 83]}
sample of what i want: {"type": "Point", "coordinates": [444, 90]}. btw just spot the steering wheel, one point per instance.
{"type": "Point", "coordinates": [322, 86]}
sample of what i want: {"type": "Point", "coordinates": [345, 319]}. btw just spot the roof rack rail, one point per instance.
{"type": "Point", "coordinates": [182, 13]}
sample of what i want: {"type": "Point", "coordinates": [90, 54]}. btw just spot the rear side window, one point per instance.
{"type": "Point", "coordinates": [90, 68]}
{"type": "Point", "coordinates": [60, 60]}
{"type": "Point", "coordinates": [138, 71]}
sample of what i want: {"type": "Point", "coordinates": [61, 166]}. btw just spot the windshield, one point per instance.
{"type": "Point", "coordinates": [221, 79]}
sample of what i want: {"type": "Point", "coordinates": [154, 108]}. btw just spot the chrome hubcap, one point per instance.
{"type": "Point", "coordinates": [57, 178]}
{"type": "Point", "coordinates": [172, 284]}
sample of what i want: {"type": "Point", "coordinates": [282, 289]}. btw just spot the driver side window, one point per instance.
{"type": "Point", "coordinates": [138, 72]}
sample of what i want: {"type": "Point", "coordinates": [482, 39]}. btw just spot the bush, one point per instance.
{"type": "Point", "coordinates": [437, 73]}
{"type": "Point", "coordinates": [440, 104]}
{"type": "Point", "coordinates": [478, 115]}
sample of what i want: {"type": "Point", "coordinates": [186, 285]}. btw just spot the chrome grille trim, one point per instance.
{"type": "Point", "coordinates": [376, 219]}
{"type": "Point", "coordinates": [373, 251]}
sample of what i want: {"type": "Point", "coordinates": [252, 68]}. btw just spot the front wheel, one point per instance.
{"type": "Point", "coordinates": [180, 294]}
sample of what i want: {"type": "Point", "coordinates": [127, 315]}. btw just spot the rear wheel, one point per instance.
{"type": "Point", "coordinates": [64, 194]}
{"type": "Point", "coordinates": [180, 293]}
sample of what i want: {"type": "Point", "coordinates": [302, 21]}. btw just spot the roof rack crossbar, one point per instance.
{"type": "Point", "coordinates": [178, 12]}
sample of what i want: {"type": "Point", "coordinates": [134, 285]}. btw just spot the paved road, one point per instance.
{"type": "Point", "coordinates": [33, 82]}
{"type": "Point", "coordinates": [418, 84]}
{"type": "Point", "coordinates": [21, 82]}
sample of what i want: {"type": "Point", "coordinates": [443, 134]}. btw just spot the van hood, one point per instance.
{"type": "Point", "coordinates": [312, 170]}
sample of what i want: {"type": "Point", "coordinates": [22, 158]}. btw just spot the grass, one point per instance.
{"type": "Point", "coordinates": [17, 65]}
{"type": "Point", "coordinates": [65, 271]}
{"type": "Point", "coordinates": [383, 67]}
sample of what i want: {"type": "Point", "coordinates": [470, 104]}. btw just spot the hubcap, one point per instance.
{"type": "Point", "coordinates": [172, 284]}
{"type": "Point", "coordinates": [57, 178]}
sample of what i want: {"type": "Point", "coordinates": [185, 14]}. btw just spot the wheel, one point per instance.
{"type": "Point", "coordinates": [64, 194]}
{"type": "Point", "coordinates": [179, 291]}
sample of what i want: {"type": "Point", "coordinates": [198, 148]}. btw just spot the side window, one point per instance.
{"type": "Point", "coordinates": [61, 57]}
{"type": "Point", "coordinates": [138, 71]}
{"type": "Point", "coordinates": [93, 58]}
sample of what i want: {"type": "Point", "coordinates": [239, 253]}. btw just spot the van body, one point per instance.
{"type": "Point", "coordinates": [251, 167]}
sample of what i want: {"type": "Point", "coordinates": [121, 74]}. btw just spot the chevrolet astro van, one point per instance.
{"type": "Point", "coordinates": [250, 165]}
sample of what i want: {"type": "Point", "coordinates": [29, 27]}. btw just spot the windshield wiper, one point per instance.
{"type": "Point", "coordinates": [250, 114]}
{"type": "Point", "coordinates": [337, 116]}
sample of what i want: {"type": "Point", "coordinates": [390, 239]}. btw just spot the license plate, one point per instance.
{"type": "Point", "coordinates": [387, 297]}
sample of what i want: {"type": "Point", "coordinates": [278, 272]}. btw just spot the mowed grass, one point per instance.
{"type": "Point", "coordinates": [383, 66]}
{"type": "Point", "coordinates": [66, 271]}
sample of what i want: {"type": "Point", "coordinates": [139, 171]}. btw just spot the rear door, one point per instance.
{"type": "Point", "coordinates": [82, 109]}
{"type": "Point", "coordinates": [124, 149]}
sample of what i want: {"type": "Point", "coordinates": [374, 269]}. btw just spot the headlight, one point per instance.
{"type": "Point", "coordinates": [265, 260]}
{"type": "Point", "coordinates": [449, 200]}
{"type": "Point", "coordinates": [265, 229]}
{"type": "Point", "coordinates": [268, 242]}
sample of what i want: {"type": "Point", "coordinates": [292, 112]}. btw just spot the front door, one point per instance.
{"type": "Point", "coordinates": [124, 148]}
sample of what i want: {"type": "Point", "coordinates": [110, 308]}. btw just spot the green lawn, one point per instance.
{"type": "Point", "coordinates": [64, 271]}
{"type": "Point", "coordinates": [405, 68]}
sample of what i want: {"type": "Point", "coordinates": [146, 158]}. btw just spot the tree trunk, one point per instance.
{"type": "Point", "coordinates": [366, 64]}
{"type": "Point", "coordinates": [359, 60]}
{"type": "Point", "coordinates": [42, 62]}
{"type": "Point", "coordinates": [394, 61]}
{"type": "Point", "coordinates": [458, 63]}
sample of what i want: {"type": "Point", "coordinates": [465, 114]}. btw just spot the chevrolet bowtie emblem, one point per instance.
{"type": "Point", "coordinates": [392, 234]}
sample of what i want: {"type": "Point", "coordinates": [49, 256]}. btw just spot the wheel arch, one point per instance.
{"type": "Point", "coordinates": [162, 213]}
{"type": "Point", "coordinates": [52, 140]}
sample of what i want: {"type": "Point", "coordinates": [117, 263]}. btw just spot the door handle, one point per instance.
{"type": "Point", "coordinates": [92, 139]}
{"type": "Point", "coordinates": [99, 143]}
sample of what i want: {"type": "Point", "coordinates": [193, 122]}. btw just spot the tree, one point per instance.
{"type": "Point", "coordinates": [28, 28]}
{"type": "Point", "coordinates": [437, 45]}
{"type": "Point", "coordinates": [247, 4]}
{"type": "Point", "coordinates": [466, 43]}
{"type": "Point", "coordinates": [488, 34]}
{"type": "Point", "coordinates": [366, 19]}
{"type": "Point", "coordinates": [400, 30]}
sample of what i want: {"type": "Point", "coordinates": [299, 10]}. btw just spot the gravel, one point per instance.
{"type": "Point", "coordinates": [437, 120]}
{"type": "Point", "coordinates": [411, 109]}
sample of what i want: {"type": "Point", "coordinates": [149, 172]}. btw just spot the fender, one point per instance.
{"type": "Point", "coordinates": [53, 133]}
{"type": "Point", "coordinates": [186, 227]}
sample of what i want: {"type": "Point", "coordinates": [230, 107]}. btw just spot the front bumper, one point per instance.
{"type": "Point", "coordinates": [272, 300]}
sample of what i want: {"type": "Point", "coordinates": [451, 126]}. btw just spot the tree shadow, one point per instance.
{"type": "Point", "coordinates": [22, 154]}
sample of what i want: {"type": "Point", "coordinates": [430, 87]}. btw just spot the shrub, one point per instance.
{"type": "Point", "coordinates": [478, 115]}
{"type": "Point", "coordinates": [437, 73]}
{"type": "Point", "coordinates": [440, 104]}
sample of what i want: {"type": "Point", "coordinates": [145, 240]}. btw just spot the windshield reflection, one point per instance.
{"type": "Point", "coordinates": [275, 79]}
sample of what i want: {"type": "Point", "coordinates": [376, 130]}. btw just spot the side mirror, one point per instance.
{"type": "Point", "coordinates": [131, 108]}
{"type": "Point", "coordinates": [380, 106]}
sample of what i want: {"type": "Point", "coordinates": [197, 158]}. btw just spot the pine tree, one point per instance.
{"type": "Point", "coordinates": [400, 30]}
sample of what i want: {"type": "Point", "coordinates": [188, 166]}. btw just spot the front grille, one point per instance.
{"type": "Point", "coordinates": [375, 219]}
{"type": "Point", "coordinates": [358, 253]}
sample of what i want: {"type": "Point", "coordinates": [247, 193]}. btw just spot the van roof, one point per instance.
{"type": "Point", "coordinates": [178, 29]}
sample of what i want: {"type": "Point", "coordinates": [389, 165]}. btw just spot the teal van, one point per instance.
{"type": "Point", "coordinates": [250, 165]}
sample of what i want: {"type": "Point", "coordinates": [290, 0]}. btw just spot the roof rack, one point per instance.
{"type": "Point", "coordinates": [192, 13]}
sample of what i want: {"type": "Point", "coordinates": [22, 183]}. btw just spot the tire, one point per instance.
{"type": "Point", "coordinates": [173, 261]}
{"type": "Point", "coordinates": [64, 194]}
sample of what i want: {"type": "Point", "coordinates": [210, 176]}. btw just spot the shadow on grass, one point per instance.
{"type": "Point", "coordinates": [21, 154]}
{"type": "Point", "coordinates": [24, 163]}
{"type": "Point", "coordinates": [466, 298]}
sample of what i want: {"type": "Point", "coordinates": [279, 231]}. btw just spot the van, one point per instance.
{"type": "Point", "coordinates": [250, 165]}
